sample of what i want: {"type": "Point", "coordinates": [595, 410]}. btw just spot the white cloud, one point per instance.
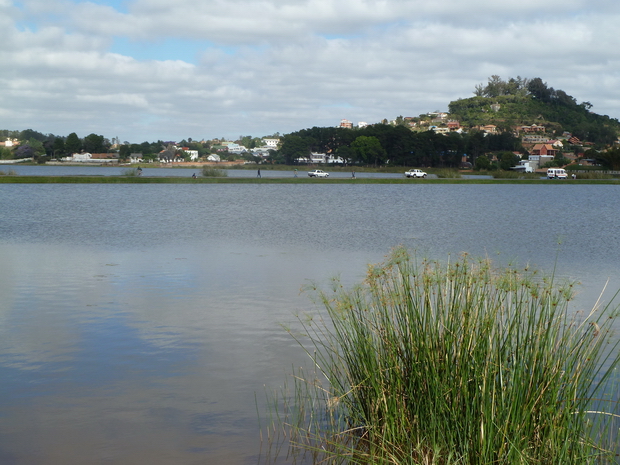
{"type": "Point", "coordinates": [284, 65]}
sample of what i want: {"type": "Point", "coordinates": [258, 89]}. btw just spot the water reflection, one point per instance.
{"type": "Point", "coordinates": [139, 323]}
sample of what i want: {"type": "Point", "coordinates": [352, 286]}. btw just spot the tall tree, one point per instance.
{"type": "Point", "coordinates": [293, 147]}
{"type": "Point", "coordinates": [368, 150]}
{"type": "Point", "coordinates": [73, 144]}
{"type": "Point", "coordinates": [58, 147]}
{"type": "Point", "coordinates": [94, 143]}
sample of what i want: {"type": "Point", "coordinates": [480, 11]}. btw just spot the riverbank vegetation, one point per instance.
{"type": "Point", "coordinates": [452, 363]}
{"type": "Point", "coordinates": [13, 178]}
{"type": "Point", "coordinates": [211, 172]}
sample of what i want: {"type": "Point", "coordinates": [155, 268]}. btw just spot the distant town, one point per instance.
{"type": "Point", "coordinates": [519, 124]}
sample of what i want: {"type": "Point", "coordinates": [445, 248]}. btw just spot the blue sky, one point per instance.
{"type": "Point", "coordinates": [162, 69]}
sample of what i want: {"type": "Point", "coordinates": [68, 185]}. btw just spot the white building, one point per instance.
{"type": "Point", "coordinates": [321, 158]}
{"type": "Point", "coordinates": [236, 148]}
{"type": "Point", "coordinates": [193, 154]}
{"type": "Point", "coordinates": [271, 143]}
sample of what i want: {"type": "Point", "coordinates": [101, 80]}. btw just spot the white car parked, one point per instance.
{"type": "Point", "coordinates": [415, 174]}
{"type": "Point", "coordinates": [318, 174]}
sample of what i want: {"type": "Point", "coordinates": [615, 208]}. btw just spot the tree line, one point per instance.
{"type": "Point", "coordinates": [44, 147]}
{"type": "Point", "coordinates": [383, 144]}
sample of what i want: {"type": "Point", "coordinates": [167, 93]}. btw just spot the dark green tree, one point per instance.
{"type": "Point", "coordinates": [58, 147]}
{"type": "Point", "coordinates": [507, 160]}
{"type": "Point", "coordinates": [610, 159]}
{"type": "Point", "coordinates": [94, 143]}
{"type": "Point", "coordinates": [293, 147]}
{"type": "Point", "coordinates": [368, 150]}
{"type": "Point", "coordinates": [482, 163]}
{"type": "Point", "coordinates": [124, 152]}
{"type": "Point", "coordinates": [73, 144]}
{"type": "Point", "coordinates": [539, 90]}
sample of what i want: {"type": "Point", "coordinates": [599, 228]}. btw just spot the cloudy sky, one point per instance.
{"type": "Point", "coordinates": [144, 70]}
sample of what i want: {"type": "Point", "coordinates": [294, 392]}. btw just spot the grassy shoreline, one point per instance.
{"type": "Point", "coordinates": [76, 179]}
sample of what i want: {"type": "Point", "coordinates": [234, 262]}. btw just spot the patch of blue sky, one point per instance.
{"type": "Point", "coordinates": [118, 5]}
{"type": "Point", "coordinates": [168, 49]}
{"type": "Point", "coordinates": [26, 26]}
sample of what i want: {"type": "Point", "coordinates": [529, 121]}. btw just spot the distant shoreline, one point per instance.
{"type": "Point", "coordinates": [88, 179]}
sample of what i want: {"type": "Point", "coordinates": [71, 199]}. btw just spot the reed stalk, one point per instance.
{"type": "Point", "coordinates": [454, 363]}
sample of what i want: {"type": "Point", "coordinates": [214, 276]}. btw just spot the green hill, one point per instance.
{"type": "Point", "coordinates": [508, 104]}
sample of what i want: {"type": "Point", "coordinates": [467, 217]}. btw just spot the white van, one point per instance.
{"type": "Point", "coordinates": [556, 173]}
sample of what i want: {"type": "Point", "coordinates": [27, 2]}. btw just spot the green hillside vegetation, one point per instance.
{"type": "Point", "coordinates": [515, 102]}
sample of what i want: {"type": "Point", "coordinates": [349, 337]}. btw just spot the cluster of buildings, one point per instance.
{"type": "Point", "coordinates": [262, 151]}
{"type": "Point", "coordinates": [535, 140]}
{"type": "Point", "coordinates": [174, 154]}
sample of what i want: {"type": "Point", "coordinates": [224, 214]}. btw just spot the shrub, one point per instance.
{"type": "Point", "coordinates": [213, 172]}
{"type": "Point", "coordinates": [453, 363]}
{"type": "Point", "coordinates": [447, 173]}
{"type": "Point", "coordinates": [514, 175]}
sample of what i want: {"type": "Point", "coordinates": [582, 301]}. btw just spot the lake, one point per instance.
{"type": "Point", "coordinates": [142, 323]}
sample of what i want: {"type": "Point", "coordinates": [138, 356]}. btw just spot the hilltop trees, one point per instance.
{"type": "Point", "coordinates": [496, 87]}
{"type": "Point", "coordinates": [521, 101]}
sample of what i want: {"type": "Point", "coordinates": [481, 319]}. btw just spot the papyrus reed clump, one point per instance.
{"type": "Point", "coordinates": [210, 172]}
{"type": "Point", "coordinates": [454, 363]}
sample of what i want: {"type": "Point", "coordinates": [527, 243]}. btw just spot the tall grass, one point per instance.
{"type": "Point", "coordinates": [593, 175]}
{"type": "Point", "coordinates": [501, 174]}
{"type": "Point", "coordinates": [452, 363]}
{"type": "Point", "coordinates": [209, 172]}
{"type": "Point", "coordinates": [447, 173]}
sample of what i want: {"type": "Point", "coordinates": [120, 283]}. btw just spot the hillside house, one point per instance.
{"type": "Point", "coordinates": [534, 139]}
{"type": "Point", "coordinates": [9, 143]}
{"type": "Point", "coordinates": [532, 128]}
{"type": "Point", "coordinates": [487, 128]}
{"type": "Point", "coordinates": [193, 154]}
{"type": "Point", "coordinates": [544, 149]}
{"type": "Point", "coordinates": [271, 143]}
{"type": "Point", "coordinates": [236, 148]}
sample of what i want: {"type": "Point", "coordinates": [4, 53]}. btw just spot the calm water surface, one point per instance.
{"type": "Point", "coordinates": [73, 170]}
{"type": "Point", "coordinates": [141, 323]}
